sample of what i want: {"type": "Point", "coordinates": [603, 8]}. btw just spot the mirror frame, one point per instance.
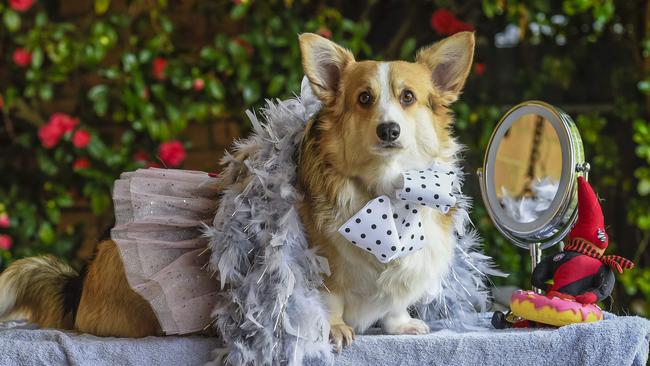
{"type": "Point", "coordinates": [557, 220]}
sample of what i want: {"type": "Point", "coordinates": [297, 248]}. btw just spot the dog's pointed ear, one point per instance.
{"type": "Point", "coordinates": [450, 62]}
{"type": "Point", "coordinates": [323, 62]}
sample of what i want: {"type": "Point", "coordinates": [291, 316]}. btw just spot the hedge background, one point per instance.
{"type": "Point", "coordinates": [93, 88]}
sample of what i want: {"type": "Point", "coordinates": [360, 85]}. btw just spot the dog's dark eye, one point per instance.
{"type": "Point", "coordinates": [407, 97]}
{"type": "Point", "coordinates": [365, 98]}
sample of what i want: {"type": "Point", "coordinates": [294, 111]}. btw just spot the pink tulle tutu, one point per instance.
{"type": "Point", "coordinates": [159, 214]}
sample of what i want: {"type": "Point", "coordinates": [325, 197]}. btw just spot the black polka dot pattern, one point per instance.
{"type": "Point", "coordinates": [392, 227]}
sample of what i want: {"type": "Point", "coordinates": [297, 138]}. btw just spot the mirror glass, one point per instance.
{"type": "Point", "coordinates": [527, 168]}
{"type": "Point", "coordinates": [528, 178]}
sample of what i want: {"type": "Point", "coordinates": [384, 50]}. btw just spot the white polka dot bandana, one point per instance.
{"type": "Point", "coordinates": [392, 228]}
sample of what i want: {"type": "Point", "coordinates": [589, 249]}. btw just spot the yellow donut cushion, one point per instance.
{"type": "Point", "coordinates": [554, 311]}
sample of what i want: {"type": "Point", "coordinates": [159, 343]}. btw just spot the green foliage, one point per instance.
{"type": "Point", "coordinates": [131, 69]}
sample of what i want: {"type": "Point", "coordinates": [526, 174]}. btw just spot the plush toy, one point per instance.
{"type": "Point", "coordinates": [579, 276]}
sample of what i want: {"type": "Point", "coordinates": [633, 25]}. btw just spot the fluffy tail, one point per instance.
{"type": "Point", "coordinates": [42, 290]}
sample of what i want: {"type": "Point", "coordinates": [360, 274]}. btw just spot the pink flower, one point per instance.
{"type": "Point", "coordinates": [198, 84]}
{"type": "Point", "coordinates": [22, 57]}
{"type": "Point", "coordinates": [5, 242]}
{"type": "Point", "coordinates": [81, 138]}
{"type": "Point", "coordinates": [81, 163]}
{"type": "Point", "coordinates": [21, 5]}
{"type": "Point", "coordinates": [49, 135]}
{"type": "Point", "coordinates": [4, 221]}
{"type": "Point", "coordinates": [171, 153]}
{"type": "Point", "coordinates": [158, 68]}
{"type": "Point", "coordinates": [445, 22]}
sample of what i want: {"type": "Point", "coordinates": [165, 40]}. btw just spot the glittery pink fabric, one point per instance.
{"type": "Point", "coordinates": [159, 214]}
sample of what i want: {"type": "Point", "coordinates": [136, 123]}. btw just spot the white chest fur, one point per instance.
{"type": "Point", "coordinates": [371, 289]}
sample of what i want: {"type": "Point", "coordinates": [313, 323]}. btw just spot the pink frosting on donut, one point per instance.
{"type": "Point", "coordinates": [556, 303]}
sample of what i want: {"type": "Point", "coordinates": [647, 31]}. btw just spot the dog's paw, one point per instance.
{"type": "Point", "coordinates": [412, 326]}
{"type": "Point", "coordinates": [341, 335]}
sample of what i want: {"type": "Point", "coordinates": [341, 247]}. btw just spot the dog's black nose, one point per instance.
{"type": "Point", "coordinates": [388, 131]}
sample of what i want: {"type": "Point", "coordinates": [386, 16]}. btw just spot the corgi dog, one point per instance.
{"type": "Point", "coordinates": [378, 119]}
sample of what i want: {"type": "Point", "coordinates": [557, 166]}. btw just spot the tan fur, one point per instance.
{"type": "Point", "coordinates": [108, 306]}
{"type": "Point", "coordinates": [343, 165]}
{"type": "Point", "coordinates": [32, 289]}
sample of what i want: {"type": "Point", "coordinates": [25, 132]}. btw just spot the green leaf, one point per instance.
{"type": "Point", "coordinates": [46, 92]}
{"type": "Point", "coordinates": [41, 19]}
{"type": "Point", "coordinates": [408, 47]}
{"type": "Point", "coordinates": [276, 85]}
{"type": "Point", "coordinates": [101, 6]}
{"type": "Point", "coordinates": [238, 11]}
{"type": "Point", "coordinates": [46, 233]}
{"type": "Point", "coordinates": [37, 58]}
{"type": "Point", "coordinates": [11, 20]}
{"type": "Point", "coordinates": [215, 89]}
{"type": "Point", "coordinates": [98, 94]}
{"type": "Point", "coordinates": [99, 203]}
{"type": "Point", "coordinates": [251, 92]}
{"type": "Point", "coordinates": [644, 187]}
{"type": "Point", "coordinates": [644, 86]}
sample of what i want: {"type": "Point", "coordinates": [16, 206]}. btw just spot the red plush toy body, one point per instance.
{"type": "Point", "coordinates": [582, 272]}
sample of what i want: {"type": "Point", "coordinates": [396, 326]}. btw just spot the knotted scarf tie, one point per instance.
{"type": "Point", "coordinates": [390, 228]}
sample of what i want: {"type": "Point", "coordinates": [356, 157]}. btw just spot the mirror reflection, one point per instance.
{"type": "Point", "coordinates": [527, 168]}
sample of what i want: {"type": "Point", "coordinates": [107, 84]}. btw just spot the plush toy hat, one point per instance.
{"type": "Point", "coordinates": [588, 235]}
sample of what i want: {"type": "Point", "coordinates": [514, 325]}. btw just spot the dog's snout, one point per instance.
{"type": "Point", "coordinates": [388, 131]}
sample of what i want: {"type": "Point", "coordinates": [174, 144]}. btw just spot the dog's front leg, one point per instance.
{"type": "Point", "coordinates": [340, 333]}
{"type": "Point", "coordinates": [400, 322]}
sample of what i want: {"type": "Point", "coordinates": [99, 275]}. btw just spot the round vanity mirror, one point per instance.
{"type": "Point", "coordinates": [528, 179]}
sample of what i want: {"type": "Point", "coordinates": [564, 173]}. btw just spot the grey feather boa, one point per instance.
{"type": "Point", "coordinates": [270, 312]}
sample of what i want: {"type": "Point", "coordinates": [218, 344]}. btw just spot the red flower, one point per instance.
{"type": "Point", "coordinates": [21, 5]}
{"type": "Point", "coordinates": [171, 153]}
{"type": "Point", "coordinates": [198, 84]}
{"type": "Point", "coordinates": [58, 125]}
{"type": "Point", "coordinates": [323, 31]}
{"type": "Point", "coordinates": [49, 135]}
{"type": "Point", "coordinates": [22, 57]}
{"type": "Point", "coordinates": [63, 122]}
{"type": "Point", "coordinates": [81, 138]}
{"type": "Point", "coordinates": [445, 22]}
{"type": "Point", "coordinates": [158, 68]}
{"type": "Point", "coordinates": [4, 221]}
{"type": "Point", "coordinates": [2, 102]}
{"type": "Point", "coordinates": [5, 242]}
{"type": "Point", "coordinates": [81, 163]}
{"type": "Point", "coordinates": [479, 68]}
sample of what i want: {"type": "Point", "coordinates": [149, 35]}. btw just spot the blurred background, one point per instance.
{"type": "Point", "coordinates": [89, 89]}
